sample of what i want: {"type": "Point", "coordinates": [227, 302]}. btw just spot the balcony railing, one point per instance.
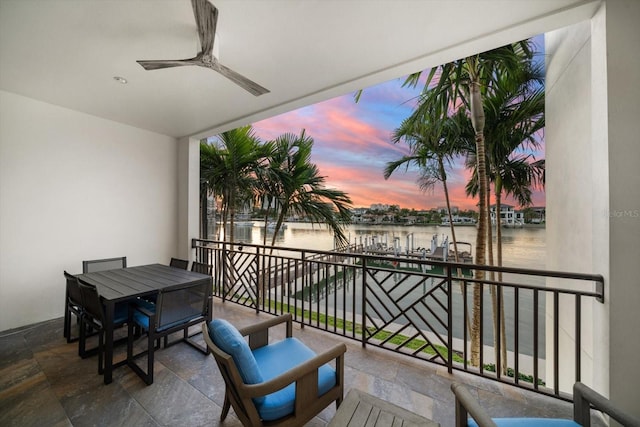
{"type": "Point", "coordinates": [422, 308]}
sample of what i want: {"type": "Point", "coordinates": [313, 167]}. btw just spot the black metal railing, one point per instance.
{"type": "Point", "coordinates": [424, 309]}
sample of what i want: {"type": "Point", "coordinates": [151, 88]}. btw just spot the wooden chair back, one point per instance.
{"type": "Point", "coordinates": [91, 266]}
{"type": "Point", "coordinates": [179, 263]}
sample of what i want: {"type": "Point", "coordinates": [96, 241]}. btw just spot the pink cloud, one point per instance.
{"type": "Point", "coordinates": [353, 145]}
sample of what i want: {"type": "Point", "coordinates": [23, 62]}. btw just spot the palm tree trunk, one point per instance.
{"type": "Point", "coordinates": [503, 334]}
{"type": "Point", "coordinates": [232, 214]}
{"type": "Point", "coordinates": [279, 222]}
{"type": "Point", "coordinates": [204, 223]}
{"type": "Point", "coordinates": [477, 119]}
{"type": "Point", "coordinates": [492, 277]}
{"type": "Point", "coordinates": [266, 220]}
{"type": "Point", "coordinates": [443, 178]}
{"type": "Point", "coordinates": [225, 218]}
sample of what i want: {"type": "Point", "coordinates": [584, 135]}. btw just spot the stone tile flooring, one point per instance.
{"type": "Point", "coordinates": [43, 382]}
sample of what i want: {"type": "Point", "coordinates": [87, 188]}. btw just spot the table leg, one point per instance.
{"type": "Point", "coordinates": [67, 317]}
{"type": "Point", "coordinates": [108, 345]}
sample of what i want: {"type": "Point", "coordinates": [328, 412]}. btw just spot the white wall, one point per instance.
{"type": "Point", "coordinates": [593, 183]}
{"type": "Point", "coordinates": [74, 187]}
{"type": "Point", "coordinates": [571, 189]}
{"type": "Point", "coordinates": [188, 195]}
{"type": "Point", "coordinates": [623, 100]}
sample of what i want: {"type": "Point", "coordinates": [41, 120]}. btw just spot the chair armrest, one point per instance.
{"type": "Point", "coordinates": [585, 397]}
{"type": "Point", "coordinates": [467, 405]}
{"type": "Point", "coordinates": [297, 373]}
{"type": "Point", "coordinates": [258, 333]}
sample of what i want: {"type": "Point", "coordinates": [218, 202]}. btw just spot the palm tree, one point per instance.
{"type": "Point", "coordinates": [298, 188]}
{"type": "Point", "coordinates": [433, 143]}
{"type": "Point", "coordinates": [431, 148]}
{"type": "Point", "coordinates": [267, 186]}
{"type": "Point", "coordinates": [463, 84]}
{"type": "Point", "coordinates": [234, 159]}
{"type": "Point", "coordinates": [514, 117]}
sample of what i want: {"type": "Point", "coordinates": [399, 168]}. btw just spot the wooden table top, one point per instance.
{"type": "Point", "coordinates": [362, 409]}
{"type": "Point", "coordinates": [125, 283]}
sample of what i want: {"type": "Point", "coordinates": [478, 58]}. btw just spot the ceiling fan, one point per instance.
{"type": "Point", "coordinates": [206, 16]}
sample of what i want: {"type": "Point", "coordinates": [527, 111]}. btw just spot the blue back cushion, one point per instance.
{"type": "Point", "coordinates": [228, 339]}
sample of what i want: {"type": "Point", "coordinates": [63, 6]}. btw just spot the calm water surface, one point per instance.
{"type": "Point", "coordinates": [521, 247]}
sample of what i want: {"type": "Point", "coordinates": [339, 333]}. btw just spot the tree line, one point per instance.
{"type": "Point", "coordinates": [237, 168]}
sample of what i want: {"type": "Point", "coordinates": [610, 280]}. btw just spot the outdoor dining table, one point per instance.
{"type": "Point", "coordinates": [127, 284]}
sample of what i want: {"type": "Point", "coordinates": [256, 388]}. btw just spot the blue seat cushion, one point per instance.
{"type": "Point", "coordinates": [529, 422]}
{"type": "Point", "coordinates": [143, 320]}
{"type": "Point", "coordinates": [277, 358]}
{"type": "Point", "coordinates": [226, 336]}
{"type": "Point", "coordinates": [120, 313]}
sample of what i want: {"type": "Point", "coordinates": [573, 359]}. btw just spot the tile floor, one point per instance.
{"type": "Point", "coordinates": [43, 382]}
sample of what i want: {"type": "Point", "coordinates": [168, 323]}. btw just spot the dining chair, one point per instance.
{"type": "Point", "coordinates": [179, 263]}
{"type": "Point", "coordinates": [175, 309]}
{"type": "Point", "coordinates": [91, 266]}
{"type": "Point", "coordinates": [200, 267]}
{"type": "Point", "coordinates": [73, 305]}
{"type": "Point", "coordinates": [94, 318]}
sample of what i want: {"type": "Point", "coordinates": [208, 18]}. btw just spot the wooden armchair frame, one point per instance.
{"type": "Point", "coordinates": [584, 398]}
{"type": "Point", "coordinates": [307, 403]}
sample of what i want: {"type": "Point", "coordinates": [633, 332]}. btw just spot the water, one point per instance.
{"type": "Point", "coordinates": [521, 247]}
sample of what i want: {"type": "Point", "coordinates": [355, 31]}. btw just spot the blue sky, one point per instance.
{"type": "Point", "coordinates": [352, 145]}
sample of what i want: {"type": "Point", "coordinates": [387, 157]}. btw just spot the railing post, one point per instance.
{"type": "Point", "coordinates": [304, 280]}
{"type": "Point", "coordinates": [364, 302]}
{"type": "Point", "coordinates": [450, 320]}
{"type": "Point", "coordinates": [260, 279]}
{"type": "Point", "coordinates": [223, 259]}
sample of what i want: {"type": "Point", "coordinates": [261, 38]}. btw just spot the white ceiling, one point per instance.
{"type": "Point", "coordinates": [66, 52]}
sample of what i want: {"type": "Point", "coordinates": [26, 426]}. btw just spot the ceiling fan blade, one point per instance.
{"type": "Point", "coordinates": [206, 16]}
{"type": "Point", "coordinates": [239, 79]}
{"type": "Point", "coordinates": [158, 64]}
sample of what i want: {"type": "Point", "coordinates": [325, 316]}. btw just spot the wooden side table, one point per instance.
{"type": "Point", "coordinates": [362, 409]}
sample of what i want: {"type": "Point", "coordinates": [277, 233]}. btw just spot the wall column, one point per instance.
{"type": "Point", "coordinates": [188, 195]}
{"type": "Point", "coordinates": [623, 100]}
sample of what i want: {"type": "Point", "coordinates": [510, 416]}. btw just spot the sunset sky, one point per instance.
{"type": "Point", "coordinates": [352, 145]}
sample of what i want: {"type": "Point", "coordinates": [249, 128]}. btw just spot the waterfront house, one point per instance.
{"type": "Point", "coordinates": [509, 216]}
{"type": "Point", "coordinates": [91, 167]}
{"type": "Point", "coordinates": [538, 215]}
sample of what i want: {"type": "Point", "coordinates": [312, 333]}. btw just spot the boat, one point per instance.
{"type": "Point", "coordinates": [271, 225]}
{"type": "Point", "coordinates": [459, 221]}
{"type": "Point", "coordinates": [243, 223]}
{"type": "Point", "coordinates": [243, 220]}
{"type": "Point", "coordinates": [237, 223]}
{"type": "Point", "coordinates": [445, 251]}
{"type": "Point", "coordinates": [464, 252]}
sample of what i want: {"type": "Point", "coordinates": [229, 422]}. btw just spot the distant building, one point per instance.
{"type": "Point", "coordinates": [509, 217]}
{"type": "Point", "coordinates": [379, 207]}
{"type": "Point", "coordinates": [443, 210]}
{"type": "Point", "coordinates": [538, 215]}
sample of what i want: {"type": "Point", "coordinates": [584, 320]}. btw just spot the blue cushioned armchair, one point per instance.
{"type": "Point", "coordinates": [281, 383]}
{"type": "Point", "coordinates": [584, 398]}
